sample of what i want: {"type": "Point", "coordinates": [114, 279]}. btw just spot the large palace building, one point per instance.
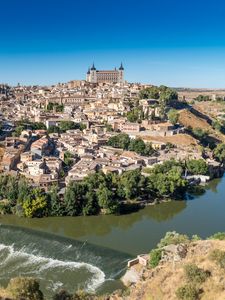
{"type": "Point", "coordinates": [107, 76]}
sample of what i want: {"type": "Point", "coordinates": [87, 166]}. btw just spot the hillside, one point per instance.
{"type": "Point", "coordinates": [162, 282]}
{"type": "Point", "coordinates": [196, 119]}
{"type": "Point", "coordinates": [185, 270]}
{"type": "Point", "coordinates": [187, 118]}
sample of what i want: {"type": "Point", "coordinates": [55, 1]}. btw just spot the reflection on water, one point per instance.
{"type": "Point", "coordinates": [137, 232]}
{"type": "Point", "coordinates": [78, 227]}
{"type": "Point", "coordinates": [54, 254]}
{"type": "Point", "coordinates": [214, 184]}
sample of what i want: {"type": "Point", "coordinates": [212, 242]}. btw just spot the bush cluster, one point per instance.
{"type": "Point", "coordinates": [188, 292]}
{"type": "Point", "coordinates": [218, 236]}
{"type": "Point", "coordinates": [194, 274]}
{"type": "Point", "coordinates": [173, 238]}
{"type": "Point", "coordinates": [219, 257]}
{"type": "Point", "coordinates": [155, 257]}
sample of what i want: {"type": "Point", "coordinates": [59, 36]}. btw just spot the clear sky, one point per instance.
{"type": "Point", "coordinates": [172, 42]}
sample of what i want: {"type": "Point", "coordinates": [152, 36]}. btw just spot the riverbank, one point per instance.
{"type": "Point", "coordinates": [187, 269]}
{"type": "Point", "coordinates": [196, 271]}
{"type": "Point", "coordinates": [133, 234]}
{"type": "Point", "coordinates": [138, 232]}
{"type": "Point", "coordinates": [99, 193]}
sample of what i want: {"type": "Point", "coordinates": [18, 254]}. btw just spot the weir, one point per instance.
{"type": "Point", "coordinates": [57, 261]}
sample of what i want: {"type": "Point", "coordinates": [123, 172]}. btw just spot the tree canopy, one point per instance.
{"type": "Point", "coordinates": [219, 153]}
{"type": "Point", "coordinates": [197, 166]}
{"type": "Point", "coordinates": [123, 141]}
{"type": "Point", "coordinates": [173, 116]}
{"type": "Point", "coordinates": [96, 193]}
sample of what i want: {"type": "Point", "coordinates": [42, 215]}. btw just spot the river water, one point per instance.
{"type": "Point", "coordinates": [92, 252]}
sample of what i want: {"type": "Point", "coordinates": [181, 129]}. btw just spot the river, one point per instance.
{"type": "Point", "coordinates": [92, 252]}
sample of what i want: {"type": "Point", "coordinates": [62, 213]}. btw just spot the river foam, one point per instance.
{"type": "Point", "coordinates": [41, 264]}
{"type": "Point", "coordinates": [57, 262]}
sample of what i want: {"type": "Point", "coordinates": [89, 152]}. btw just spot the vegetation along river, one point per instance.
{"type": "Point", "coordinates": [92, 252]}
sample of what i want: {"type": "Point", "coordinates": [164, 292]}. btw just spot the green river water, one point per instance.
{"type": "Point", "coordinates": [92, 252]}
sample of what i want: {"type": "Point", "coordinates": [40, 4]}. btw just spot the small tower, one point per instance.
{"type": "Point", "coordinates": [88, 75]}
{"type": "Point", "coordinates": [121, 73]}
{"type": "Point", "coordinates": [93, 74]}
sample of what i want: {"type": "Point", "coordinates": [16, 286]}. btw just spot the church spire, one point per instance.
{"type": "Point", "coordinates": [93, 67]}
{"type": "Point", "coordinates": [121, 67]}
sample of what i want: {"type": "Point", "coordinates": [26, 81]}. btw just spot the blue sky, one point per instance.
{"type": "Point", "coordinates": [172, 42]}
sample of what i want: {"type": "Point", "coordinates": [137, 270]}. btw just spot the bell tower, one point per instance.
{"type": "Point", "coordinates": [93, 74]}
{"type": "Point", "coordinates": [121, 73]}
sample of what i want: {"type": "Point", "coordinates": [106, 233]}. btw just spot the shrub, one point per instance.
{"type": "Point", "coordinates": [173, 238]}
{"type": "Point", "coordinates": [218, 236]}
{"type": "Point", "coordinates": [219, 257]}
{"type": "Point", "coordinates": [155, 257]}
{"type": "Point", "coordinates": [81, 295]}
{"type": "Point", "coordinates": [195, 274]}
{"type": "Point", "coordinates": [195, 238]}
{"type": "Point", "coordinates": [24, 288]}
{"type": "Point", "coordinates": [188, 292]}
{"type": "Point", "coordinates": [5, 208]}
{"type": "Point", "coordinates": [62, 295]}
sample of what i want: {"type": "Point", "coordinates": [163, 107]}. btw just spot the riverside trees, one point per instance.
{"type": "Point", "coordinates": [96, 193]}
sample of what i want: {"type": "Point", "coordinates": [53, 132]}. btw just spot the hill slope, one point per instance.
{"type": "Point", "coordinates": [162, 282]}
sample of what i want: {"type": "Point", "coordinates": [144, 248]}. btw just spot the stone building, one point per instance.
{"type": "Point", "coordinates": [105, 76]}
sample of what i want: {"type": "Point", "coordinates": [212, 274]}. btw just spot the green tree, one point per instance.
{"type": "Point", "coordinates": [57, 206]}
{"type": "Point", "coordinates": [106, 200]}
{"type": "Point", "coordinates": [68, 158]}
{"type": "Point", "coordinates": [202, 98]}
{"type": "Point", "coordinates": [135, 115]}
{"type": "Point", "coordinates": [131, 184]}
{"type": "Point", "coordinates": [167, 184]}
{"type": "Point", "coordinates": [121, 140]}
{"type": "Point", "coordinates": [12, 190]}
{"type": "Point", "coordinates": [91, 206]}
{"type": "Point", "coordinates": [197, 166]}
{"type": "Point", "coordinates": [18, 130]}
{"type": "Point", "coordinates": [35, 205]}
{"type": "Point", "coordinates": [217, 125]}
{"type": "Point", "coordinates": [137, 145]}
{"type": "Point", "coordinates": [53, 129]}
{"type": "Point", "coordinates": [219, 153]}
{"type": "Point", "coordinates": [23, 189]}
{"type": "Point", "coordinates": [173, 116]}
{"type": "Point", "coordinates": [167, 94]}
{"type": "Point", "coordinates": [149, 93]}
{"type": "Point", "coordinates": [68, 125]}
{"type": "Point", "coordinates": [199, 133]}
{"type": "Point", "coordinates": [74, 198]}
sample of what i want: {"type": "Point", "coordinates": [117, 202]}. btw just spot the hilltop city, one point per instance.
{"type": "Point", "coordinates": [60, 134]}
{"type": "Point", "coordinates": [106, 146]}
